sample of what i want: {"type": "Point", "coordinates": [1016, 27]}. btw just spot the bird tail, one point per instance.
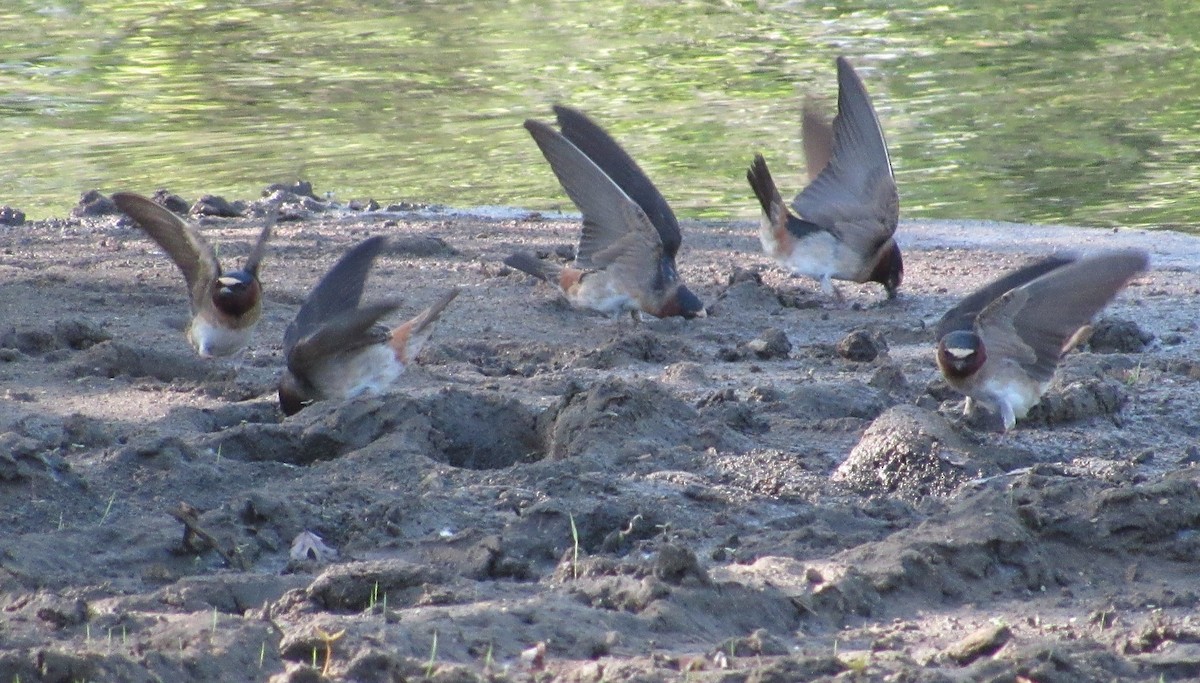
{"type": "Point", "coordinates": [528, 263]}
{"type": "Point", "coordinates": [764, 187]}
{"type": "Point", "coordinates": [408, 339]}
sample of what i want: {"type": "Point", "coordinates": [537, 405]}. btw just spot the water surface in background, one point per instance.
{"type": "Point", "coordinates": [1082, 112]}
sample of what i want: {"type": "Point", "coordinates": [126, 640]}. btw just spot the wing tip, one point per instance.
{"type": "Point", "coordinates": [564, 111]}
{"type": "Point", "coordinates": [847, 73]}
{"type": "Point", "coordinates": [1137, 260]}
{"type": "Point", "coordinates": [534, 126]}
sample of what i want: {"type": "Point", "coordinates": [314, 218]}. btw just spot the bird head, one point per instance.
{"type": "Point", "coordinates": [236, 293]}
{"type": "Point", "coordinates": [960, 354]}
{"type": "Point", "coordinates": [889, 270]}
{"type": "Point", "coordinates": [683, 303]}
{"type": "Point", "coordinates": [293, 395]}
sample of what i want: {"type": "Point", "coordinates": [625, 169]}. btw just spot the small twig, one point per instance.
{"type": "Point", "coordinates": [190, 518]}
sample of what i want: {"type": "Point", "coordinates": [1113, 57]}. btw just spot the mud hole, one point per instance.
{"type": "Point", "coordinates": [784, 491]}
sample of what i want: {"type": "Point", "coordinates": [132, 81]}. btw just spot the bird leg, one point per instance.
{"type": "Point", "coordinates": [1010, 419]}
{"type": "Point", "coordinates": [969, 408]}
{"type": "Point", "coordinates": [831, 289]}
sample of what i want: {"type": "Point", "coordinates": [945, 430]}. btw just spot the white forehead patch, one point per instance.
{"type": "Point", "coordinates": [228, 281]}
{"type": "Point", "coordinates": [960, 353]}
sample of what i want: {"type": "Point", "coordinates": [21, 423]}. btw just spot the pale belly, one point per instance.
{"type": "Point", "coordinates": [210, 340]}
{"type": "Point", "coordinates": [818, 255]}
{"type": "Point", "coordinates": [599, 293]}
{"type": "Point", "coordinates": [370, 369]}
{"type": "Point", "coordinates": [1014, 388]}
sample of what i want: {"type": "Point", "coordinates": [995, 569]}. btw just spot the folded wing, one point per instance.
{"type": "Point", "coordinates": [346, 331]}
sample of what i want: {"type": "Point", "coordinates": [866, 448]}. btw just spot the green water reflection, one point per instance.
{"type": "Point", "coordinates": [1074, 112]}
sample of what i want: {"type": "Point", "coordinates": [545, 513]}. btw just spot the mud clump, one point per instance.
{"type": "Point", "coordinates": [912, 453]}
{"type": "Point", "coordinates": [79, 334]}
{"type": "Point", "coordinates": [30, 342]}
{"type": "Point", "coordinates": [674, 564]}
{"type": "Point", "coordinates": [171, 202]}
{"type": "Point", "coordinates": [738, 416]}
{"type": "Point", "coordinates": [10, 216]}
{"type": "Point", "coordinates": [1118, 335]}
{"type": "Point", "coordinates": [93, 203]}
{"type": "Point", "coordinates": [1079, 400]}
{"type": "Point", "coordinates": [641, 413]}
{"type": "Point", "coordinates": [748, 294]}
{"type": "Point", "coordinates": [213, 205]}
{"type": "Point", "coordinates": [1155, 519]}
{"type": "Point", "coordinates": [889, 377]}
{"type": "Point", "coordinates": [946, 555]}
{"type": "Point", "coordinates": [300, 188]}
{"type": "Point", "coordinates": [801, 299]}
{"type": "Point", "coordinates": [23, 459]}
{"type": "Point", "coordinates": [862, 346]}
{"type": "Point", "coordinates": [983, 642]}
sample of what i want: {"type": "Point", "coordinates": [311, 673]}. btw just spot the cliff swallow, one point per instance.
{"type": "Point", "coordinates": [846, 217]}
{"type": "Point", "coordinates": [626, 255]}
{"type": "Point", "coordinates": [1001, 345]}
{"type": "Point", "coordinates": [225, 306]}
{"type": "Point", "coordinates": [334, 348]}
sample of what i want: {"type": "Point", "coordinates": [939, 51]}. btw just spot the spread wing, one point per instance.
{"type": "Point", "coordinates": [599, 146]}
{"type": "Point", "coordinates": [194, 257]}
{"type": "Point", "coordinates": [345, 331]}
{"type": "Point", "coordinates": [854, 196]}
{"type": "Point", "coordinates": [962, 317]}
{"type": "Point", "coordinates": [612, 221]}
{"type": "Point", "coordinates": [338, 292]}
{"type": "Point", "coordinates": [1033, 322]}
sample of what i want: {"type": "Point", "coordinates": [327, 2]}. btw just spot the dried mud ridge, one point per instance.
{"type": "Point", "coordinates": [782, 492]}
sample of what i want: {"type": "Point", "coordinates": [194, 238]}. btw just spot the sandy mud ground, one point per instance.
{"type": "Point", "coordinates": [784, 491]}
